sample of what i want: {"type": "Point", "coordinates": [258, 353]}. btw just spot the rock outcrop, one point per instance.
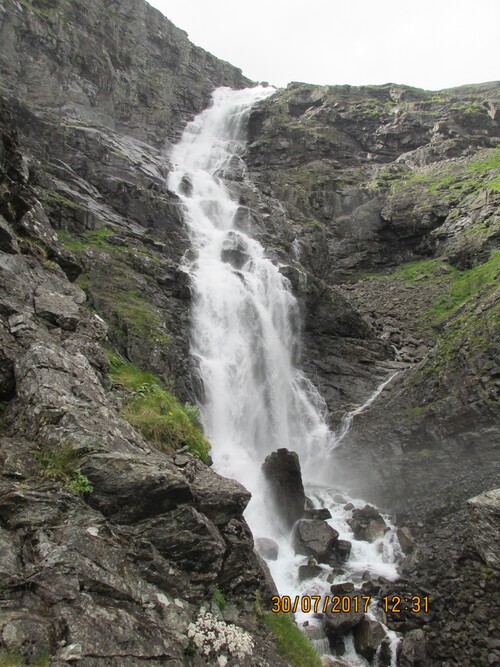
{"type": "Point", "coordinates": [484, 520]}
{"type": "Point", "coordinates": [121, 65]}
{"type": "Point", "coordinates": [109, 545]}
{"type": "Point", "coordinates": [388, 196]}
{"type": "Point", "coordinates": [282, 472]}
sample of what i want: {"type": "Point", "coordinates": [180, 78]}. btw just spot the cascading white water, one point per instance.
{"type": "Point", "coordinates": [245, 318]}
{"type": "Point", "coordinates": [245, 334]}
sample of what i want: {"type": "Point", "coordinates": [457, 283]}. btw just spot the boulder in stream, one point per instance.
{"type": "Point", "coordinates": [316, 538]}
{"type": "Point", "coordinates": [282, 471]}
{"type": "Point", "coordinates": [336, 624]}
{"type": "Point", "coordinates": [367, 524]}
{"type": "Point", "coordinates": [267, 548]}
{"type": "Point", "coordinates": [309, 571]}
{"type": "Point", "coordinates": [368, 635]}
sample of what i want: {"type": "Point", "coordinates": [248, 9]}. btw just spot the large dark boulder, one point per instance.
{"type": "Point", "coordinates": [315, 538]}
{"type": "Point", "coordinates": [368, 636]}
{"type": "Point", "coordinates": [282, 471]}
{"type": "Point", "coordinates": [337, 624]}
{"type": "Point", "coordinates": [367, 524]}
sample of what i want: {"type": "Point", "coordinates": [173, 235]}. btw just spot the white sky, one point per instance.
{"type": "Point", "coordinates": [426, 43]}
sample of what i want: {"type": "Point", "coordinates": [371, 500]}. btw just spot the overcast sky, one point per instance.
{"type": "Point", "coordinates": [426, 43]}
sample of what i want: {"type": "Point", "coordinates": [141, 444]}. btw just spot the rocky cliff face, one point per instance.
{"type": "Point", "coordinates": [109, 545]}
{"type": "Point", "coordinates": [122, 65]}
{"type": "Point", "coordinates": [390, 196]}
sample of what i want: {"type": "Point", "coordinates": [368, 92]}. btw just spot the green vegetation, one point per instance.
{"type": "Point", "coordinates": [56, 197]}
{"type": "Point", "coordinates": [11, 659]}
{"type": "Point", "coordinates": [291, 643]}
{"type": "Point", "coordinates": [91, 238]}
{"type": "Point", "coordinates": [14, 659]}
{"type": "Point", "coordinates": [218, 598]}
{"type": "Point", "coordinates": [117, 286]}
{"type": "Point", "coordinates": [156, 413]}
{"type": "Point", "coordinates": [466, 338]}
{"type": "Point", "coordinates": [465, 284]}
{"type": "Point", "coordinates": [468, 106]}
{"type": "Point", "coordinates": [61, 463]}
{"type": "Point", "coordinates": [462, 285]}
{"type": "Point", "coordinates": [426, 268]}
{"type": "Point", "coordinates": [458, 179]}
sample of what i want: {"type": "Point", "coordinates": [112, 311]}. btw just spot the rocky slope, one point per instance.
{"type": "Point", "coordinates": [109, 543]}
{"type": "Point", "coordinates": [391, 195]}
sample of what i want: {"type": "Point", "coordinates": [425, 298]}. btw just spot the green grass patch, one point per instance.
{"type": "Point", "coordinates": [467, 335]}
{"type": "Point", "coordinates": [291, 643]}
{"type": "Point", "coordinates": [55, 197]}
{"type": "Point", "coordinates": [11, 659]}
{"type": "Point", "coordinates": [91, 238]}
{"type": "Point", "coordinates": [462, 285]}
{"type": "Point", "coordinates": [116, 288]}
{"type": "Point", "coordinates": [156, 413]}
{"type": "Point", "coordinates": [457, 179]}
{"type": "Point", "coordinates": [62, 463]}
{"type": "Point", "coordinates": [467, 283]}
{"type": "Point", "coordinates": [218, 598]}
{"type": "Point", "coordinates": [425, 268]}
{"type": "Point", "coordinates": [14, 659]}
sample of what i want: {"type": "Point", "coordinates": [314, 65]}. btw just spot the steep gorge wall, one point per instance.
{"type": "Point", "coordinates": [390, 196]}
{"type": "Point", "coordinates": [122, 65]}
{"type": "Point", "coordinates": [365, 181]}
{"type": "Point", "coordinates": [90, 246]}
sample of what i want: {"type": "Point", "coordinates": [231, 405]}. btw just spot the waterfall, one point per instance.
{"type": "Point", "coordinates": [245, 317]}
{"type": "Point", "coordinates": [245, 337]}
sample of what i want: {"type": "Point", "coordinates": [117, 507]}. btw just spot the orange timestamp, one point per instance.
{"type": "Point", "coordinates": [335, 604]}
{"type": "Point", "coordinates": [395, 604]}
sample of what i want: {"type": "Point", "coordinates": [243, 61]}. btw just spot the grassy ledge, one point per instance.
{"type": "Point", "coordinates": [156, 413]}
{"type": "Point", "coordinates": [62, 463]}
{"type": "Point", "coordinates": [291, 643]}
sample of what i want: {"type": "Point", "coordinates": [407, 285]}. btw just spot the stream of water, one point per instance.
{"type": "Point", "coordinates": [245, 336]}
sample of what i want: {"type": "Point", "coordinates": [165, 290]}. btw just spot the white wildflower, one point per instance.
{"type": "Point", "coordinates": [210, 636]}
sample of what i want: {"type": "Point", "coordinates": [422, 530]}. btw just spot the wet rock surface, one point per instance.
{"type": "Point", "coordinates": [371, 179]}
{"type": "Point", "coordinates": [314, 538]}
{"type": "Point", "coordinates": [367, 524]}
{"type": "Point", "coordinates": [282, 471]}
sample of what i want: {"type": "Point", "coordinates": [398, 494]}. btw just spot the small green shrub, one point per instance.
{"type": "Point", "coordinates": [156, 413]}
{"type": "Point", "coordinates": [11, 659]}
{"type": "Point", "coordinates": [78, 483]}
{"type": "Point", "coordinates": [42, 660]}
{"type": "Point", "coordinates": [218, 598]}
{"type": "Point", "coordinates": [61, 463]}
{"type": "Point", "coordinates": [291, 643]}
